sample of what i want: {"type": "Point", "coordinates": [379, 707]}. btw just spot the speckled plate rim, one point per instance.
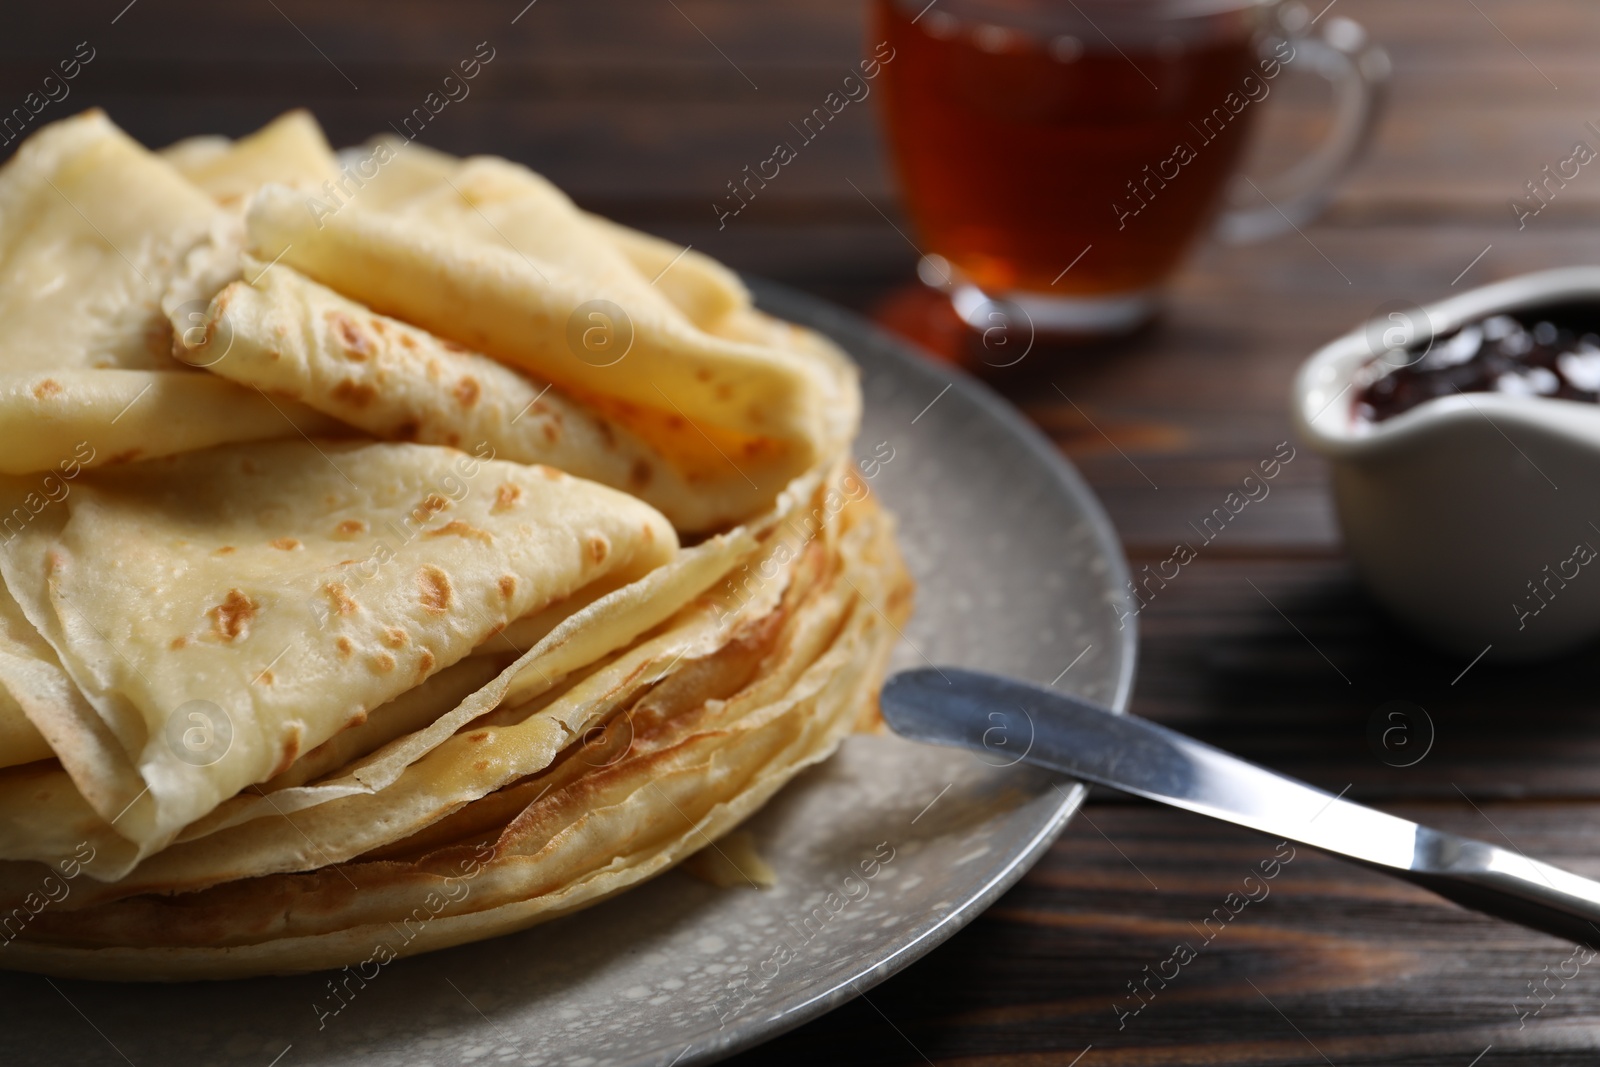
{"type": "Point", "coordinates": [852, 332]}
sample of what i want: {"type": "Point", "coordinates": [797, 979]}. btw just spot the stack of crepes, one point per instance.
{"type": "Point", "coordinates": [394, 555]}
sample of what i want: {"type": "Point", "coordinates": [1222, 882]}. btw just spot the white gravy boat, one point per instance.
{"type": "Point", "coordinates": [1476, 517]}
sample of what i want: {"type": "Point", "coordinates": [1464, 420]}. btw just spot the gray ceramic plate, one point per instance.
{"type": "Point", "coordinates": [1017, 569]}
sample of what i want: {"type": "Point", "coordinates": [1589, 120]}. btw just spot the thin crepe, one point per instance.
{"type": "Point", "coordinates": [93, 232]}
{"type": "Point", "coordinates": [715, 405]}
{"type": "Point", "coordinates": [406, 177]}
{"type": "Point", "coordinates": [291, 588]}
{"type": "Point", "coordinates": [282, 333]}
{"type": "Point", "coordinates": [289, 150]}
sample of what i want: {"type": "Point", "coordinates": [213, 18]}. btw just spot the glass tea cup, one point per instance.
{"type": "Point", "coordinates": [1060, 157]}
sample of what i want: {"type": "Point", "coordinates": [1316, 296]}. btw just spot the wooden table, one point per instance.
{"type": "Point", "coordinates": [645, 109]}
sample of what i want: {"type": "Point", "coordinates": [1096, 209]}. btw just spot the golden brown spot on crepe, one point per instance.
{"type": "Point", "coordinates": [230, 619]}
{"type": "Point", "coordinates": [339, 596]}
{"type": "Point", "coordinates": [225, 550]}
{"type": "Point", "coordinates": [381, 662]}
{"type": "Point", "coordinates": [608, 435]}
{"type": "Point", "coordinates": [407, 341]}
{"type": "Point", "coordinates": [467, 391]}
{"type": "Point", "coordinates": [480, 736]}
{"type": "Point", "coordinates": [649, 533]}
{"type": "Point", "coordinates": [291, 748]}
{"type": "Point", "coordinates": [408, 430]}
{"type": "Point", "coordinates": [481, 765]}
{"type": "Point", "coordinates": [357, 718]}
{"type": "Point", "coordinates": [395, 637]}
{"type": "Point", "coordinates": [551, 432]}
{"type": "Point", "coordinates": [452, 439]}
{"type": "Point", "coordinates": [598, 547]}
{"type": "Point", "coordinates": [434, 587]}
{"type": "Point", "coordinates": [124, 457]}
{"type": "Point", "coordinates": [451, 346]}
{"type": "Point", "coordinates": [378, 326]}
{"type": "Point", "coordinates": [457, 528]}
{"type": "Point", "coordinates": [357, 345]}
{"type": "Point", "coordinates": [431, 503]}
{"type": "Point", "coordinates": [703, 374]}
{"type": "Point", "coordinates": [356, 394]}
{"type": "Point", "coordinates": [264, 678]}
{"type": "Point", "coordinates": [508, 585]}
{"type": "Point", "coordinates": [178, 642]}
{"type": "Point", "coordinates": [287, 544]}
{"type": "Point", "coordinates": [724, 392]}
{"type": "Point", "coordinates": [506, 497]}
{"type": "Point", "coordinates": [425, 662]}
{"type": "Point", "coordinates": [639, 475]}
{"type": "Point", "coordinates": [48, 387]}
{"type": "Point", "coordinates": [551, 473]}
{"type": "Point", "coordinates": [350, 528]}
{"type": "Point", "coordinates": [346, 649]}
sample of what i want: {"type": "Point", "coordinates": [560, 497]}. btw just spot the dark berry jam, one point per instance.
{"type": "Point", "coordinates": [1550, 352]}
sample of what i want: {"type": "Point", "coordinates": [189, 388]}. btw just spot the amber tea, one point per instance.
{"type": "Point", "coordinates": [1034, 136]}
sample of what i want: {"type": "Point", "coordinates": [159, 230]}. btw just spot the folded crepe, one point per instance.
{"type": "Point", "coordinates": [421, 659]}
{"type": "Point", "coordinates": [287, 588]}
{"type": "Point", "coordinates": [736, 419]}
{"type": "Point", "coordinates": [94, 231]}
{"type": "Point", "coordinates": [290, 150]}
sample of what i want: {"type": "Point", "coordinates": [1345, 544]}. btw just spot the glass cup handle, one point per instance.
{"type": "Point", "coordinates": [1359, 73]}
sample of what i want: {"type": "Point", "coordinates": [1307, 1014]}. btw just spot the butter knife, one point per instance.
{"type": "Point", "coordinates": [1011, 721]}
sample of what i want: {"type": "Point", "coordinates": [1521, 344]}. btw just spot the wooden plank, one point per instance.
{"type": "Point", "coordinates": [180, 31]}
{"type": "Point", "coordinates": [694, 131]}
{"type": "Point", "coordinates": [1289, 663]}
{"type": "Point", "coordinates": [817, 29]}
